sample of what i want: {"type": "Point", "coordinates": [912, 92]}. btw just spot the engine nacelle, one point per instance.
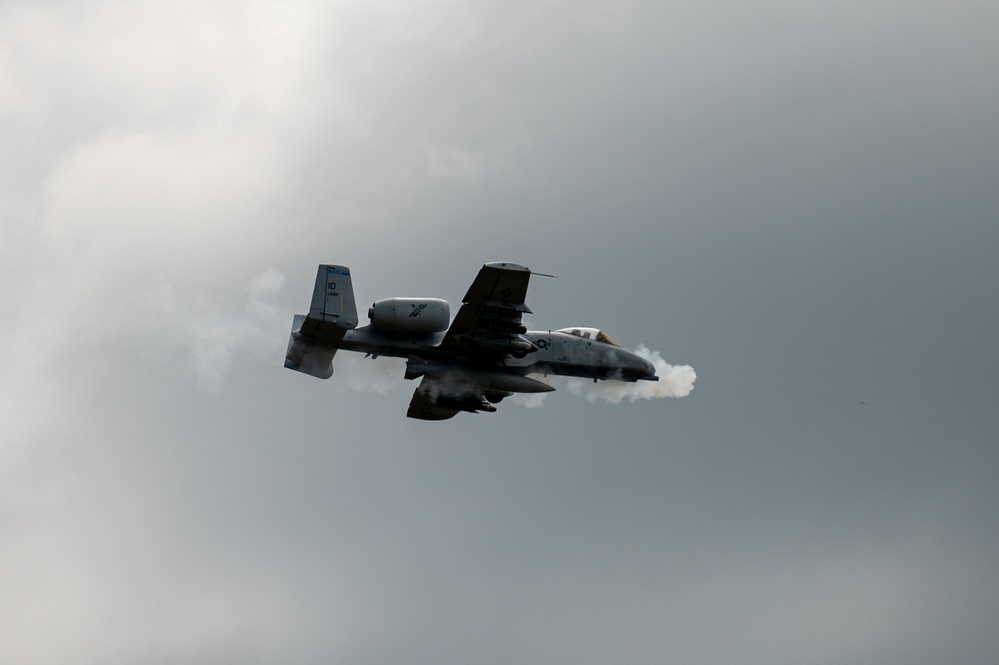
{"type": "Point", "coordinates": [410, 315]}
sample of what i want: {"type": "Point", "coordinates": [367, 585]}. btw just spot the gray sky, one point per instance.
{"type": "Point", "coordinates": [800, 201]}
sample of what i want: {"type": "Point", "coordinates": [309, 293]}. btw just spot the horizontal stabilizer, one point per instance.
{"type": "Point", "coordinates": [306, 355]}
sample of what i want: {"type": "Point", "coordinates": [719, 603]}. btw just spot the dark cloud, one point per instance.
{"type": "Point", "coordinates": [797, 201]}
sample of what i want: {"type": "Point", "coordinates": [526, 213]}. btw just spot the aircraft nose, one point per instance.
{"type": "Point", "coordinates": [639, 368]}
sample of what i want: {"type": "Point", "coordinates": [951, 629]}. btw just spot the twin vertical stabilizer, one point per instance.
{"type": "Point", "coordinates": [333, 297]}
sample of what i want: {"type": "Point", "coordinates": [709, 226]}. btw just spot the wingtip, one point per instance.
{"type": "Point", "coordinates": [510, 265]}
{"type": "Point", "coordinates": [507, 265]}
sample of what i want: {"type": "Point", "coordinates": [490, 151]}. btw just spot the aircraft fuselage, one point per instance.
{"type": "Point", "coordinates": [555, 352]}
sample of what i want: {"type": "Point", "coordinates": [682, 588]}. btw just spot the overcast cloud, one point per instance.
{"type": "Point", "coordinates": [800, 201]}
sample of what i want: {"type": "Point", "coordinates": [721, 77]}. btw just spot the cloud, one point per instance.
{"type": "Point", "coordinates": [171, 174]}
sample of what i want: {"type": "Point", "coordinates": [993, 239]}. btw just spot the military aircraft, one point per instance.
{"type": "Point", "coordinates": [484, 355]}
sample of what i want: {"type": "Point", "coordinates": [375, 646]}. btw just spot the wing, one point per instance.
{"type": "Point", "coordinates": [487, 327]}
{"type": "Point", "coordinates": [424, 406]}
{"type": "Point", "coordinates": [490, 316]}
{"type": "Point", "coordinates": [436, 398]}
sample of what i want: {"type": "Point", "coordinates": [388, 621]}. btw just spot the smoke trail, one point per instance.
{"type": "Point", "coordinates": [352, 371]}
{"type": "Point", "coordinates": [385, 373]}
{"type": "Point", "coordinates": [530, 400]}
{"type": "Point", "coordinates": [674, 381]}
{"type": "Point", "coordinates": [214, 329]}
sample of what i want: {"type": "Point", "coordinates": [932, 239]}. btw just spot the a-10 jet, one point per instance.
{"type": "Point", "coordinates": [484, 355]}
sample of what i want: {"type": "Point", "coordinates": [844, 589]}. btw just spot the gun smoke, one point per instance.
{"type": "Point", "coordinates": [383, 374]}
{"type": "Point", "coordinates": [215, 331]}
{"type": "Point", "coordinates": [674, 381]}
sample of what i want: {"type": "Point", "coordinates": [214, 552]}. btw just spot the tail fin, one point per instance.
{"type": "Point", "coordinates": [314, 337]}
{"type": "Point", "coordinates": [333, 297]}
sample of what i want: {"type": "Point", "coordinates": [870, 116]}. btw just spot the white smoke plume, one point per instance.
{"type": "Point", "coordinates": [530, 400]}
{"type": "Point", "coordinates": [217, 332]}
{"type": "Point", "coordinates": [674, 381]}
{"type": "Point", "coordinates": [214, 331]}
{"type": "Point", "coordinates": [355, 372]}
{"type": "Point", "coordinates": [380, 375]}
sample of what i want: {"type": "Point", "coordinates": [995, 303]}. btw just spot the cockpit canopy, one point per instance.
{"type": "Point", "coordinates": [590, 333]}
